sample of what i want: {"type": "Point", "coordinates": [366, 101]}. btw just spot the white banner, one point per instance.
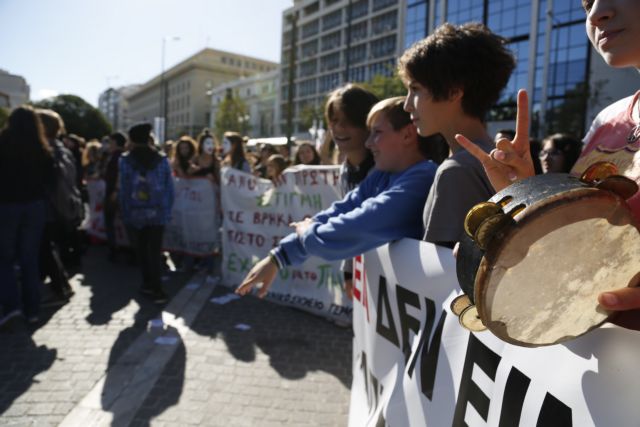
{"type": "Point", "coordinates": [257, 214]}
{"type": "Point", "coordinates": [94, 222]}
{"type": "Point", "coordinates": [414, 365]}
{"type": "Point", "coordinates": [194, 228]}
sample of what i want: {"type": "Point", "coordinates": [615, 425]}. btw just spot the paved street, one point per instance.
{"type": "Point", "coordinates": [105, 358]}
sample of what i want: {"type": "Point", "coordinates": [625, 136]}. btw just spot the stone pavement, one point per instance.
{"type": "Point", "coordinates": [97, 358]}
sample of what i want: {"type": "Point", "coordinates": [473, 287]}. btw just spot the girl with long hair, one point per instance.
{"type": "Point", "coordinates": [26, 166]}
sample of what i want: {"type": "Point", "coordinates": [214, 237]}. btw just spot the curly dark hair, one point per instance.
{"type": "Point", "coordinates": [467, 57]}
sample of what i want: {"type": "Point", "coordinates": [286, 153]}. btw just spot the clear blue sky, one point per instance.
{"type": "Point", "coordinates": [80, 46]}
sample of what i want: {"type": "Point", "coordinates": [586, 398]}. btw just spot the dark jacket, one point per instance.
{"type": "Point", "coordinates": [23, 176]}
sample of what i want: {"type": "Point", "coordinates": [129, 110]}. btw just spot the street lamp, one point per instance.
{"type": "Point", "coordinates": [163, 90]}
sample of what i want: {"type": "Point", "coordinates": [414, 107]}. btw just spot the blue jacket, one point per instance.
{"type": "Point", "coordinates": [158, 173]}
{"type": "Point", "coordinates": [385, 207]}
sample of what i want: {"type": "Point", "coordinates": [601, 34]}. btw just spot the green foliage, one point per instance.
{"type": "Point", "coordinates": [231, 116]}
{"type": "Point", "coordinates": [386, 86]}
{"type": "Point", "coordinates": [79, 116]}
{"type": "Point", "coordinates": [4, 115]}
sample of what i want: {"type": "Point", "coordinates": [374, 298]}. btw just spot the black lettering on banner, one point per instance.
{"type": "Point", "coordinates": [388, 332]}
{"type": "Point", "coordinates": [555, 413]}
{"type": "Point", "coordinates": [407, 323]}
{"type": "Point", "coordinates": [482, 356]}
{"type": "Point", "coordinates": [514, 392]}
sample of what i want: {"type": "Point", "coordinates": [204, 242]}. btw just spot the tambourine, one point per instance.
{"type": "Point", "coordinates": [538, 253]}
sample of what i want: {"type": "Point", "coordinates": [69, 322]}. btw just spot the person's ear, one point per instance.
{"type": "Point", "coordinates": [456, 94]}
{"type": "Point", "coordinates": [410, 133]}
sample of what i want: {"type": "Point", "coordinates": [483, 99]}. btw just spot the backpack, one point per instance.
{"type": "Point", "coordinates": [145, 200]}
{"type": "Point", "coordinates": [64, 197]}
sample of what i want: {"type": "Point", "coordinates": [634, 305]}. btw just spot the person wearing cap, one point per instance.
{"type": "Point", "coordinates": [145, 197]}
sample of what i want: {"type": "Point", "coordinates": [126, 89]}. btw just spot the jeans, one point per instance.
{"type": "Point", "coordinates": [147, 241]}
{"type": "Point", "coordinates": [51, 264]}
{"type": "Point", "coordinates": [21, 226]}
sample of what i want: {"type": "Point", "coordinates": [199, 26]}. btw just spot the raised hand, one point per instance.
{"type": "Point", "coordinates": [263, 272]}
{"type": "Point", "coordinates": [510, 160]}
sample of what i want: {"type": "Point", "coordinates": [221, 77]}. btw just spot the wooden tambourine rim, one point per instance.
{"type": "Point", "coordinates": [503, 236]}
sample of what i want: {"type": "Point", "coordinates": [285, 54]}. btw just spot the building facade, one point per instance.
{"type": "Point", "coordinates": [113, 104]}
{"type": "Point", "coordinates": [14, 90]}
{"type": "Point", "coordinates": [259, 93]}
{"type": "Point", "coordinates": [184, 98]}
{"type": "Point", "coordinates": [567, 81]}
{"type": "Point", "coordinates": [326, 43]}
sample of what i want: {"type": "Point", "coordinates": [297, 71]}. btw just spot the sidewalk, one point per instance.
{"type": "Point", "coordinates": [97, 358]}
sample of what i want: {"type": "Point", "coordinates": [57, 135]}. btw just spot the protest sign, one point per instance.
{"type": "Point", "coordinates": [257, 214]}
{"type": "Point", "coordinates": [414, 365]}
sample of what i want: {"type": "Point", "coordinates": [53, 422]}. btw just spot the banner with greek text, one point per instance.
{"type": "Point", "coordinates": [194, 228]}
{"type": "Point", "coordinates": [94, 222]}
{"type": "Point", "coordinates": [414, 365]}
{"type": "Point", "coordinates": [257, 214]}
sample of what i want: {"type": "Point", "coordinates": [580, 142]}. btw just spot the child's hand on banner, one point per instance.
{"type": "Point", "coordinates": [301, 226]}
{"type": "Point", "coordinates": [263, 272]}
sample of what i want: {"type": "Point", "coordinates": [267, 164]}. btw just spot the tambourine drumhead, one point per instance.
{"type": "Point", "coordinates": [539, 284]}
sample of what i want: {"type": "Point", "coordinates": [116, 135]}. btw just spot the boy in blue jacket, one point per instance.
{"type": "Point", "coordinates": [386, 206]}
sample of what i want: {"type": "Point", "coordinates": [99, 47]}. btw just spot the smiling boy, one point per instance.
{"type": "Point", "coordinates": [386, 206]}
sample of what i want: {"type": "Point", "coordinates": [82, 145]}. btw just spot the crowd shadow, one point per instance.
{"type": "Point", "coordinates": [297, 342]}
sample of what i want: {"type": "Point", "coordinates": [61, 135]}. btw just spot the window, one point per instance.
{"type": "Point", "coordinates": [309, 67]}
{"type": "Point", "coordinates": [310, 48]}
{"type": "Point", "coordinates": [357, 54]}
{"type": "Point", "coordinates": [332, 20]}
{"type": "Point", "coordinates": [383, 47]}
{"type": "Point", "coordinates": [415, 27]}
{"type": "Point", "coordinates": [357, 74]}
{"type": "Point", "coordinates": [381, 4]}
{"type": "Point", "coordinates": [384, 23]}
{"type": "Point", "coordinates": [385, 68]}
{"type": "Point", "coordinates": [461, 11]}
{"type": "Point", "coordinates": [359, 31]}
{"type": "Point", "coordinates": [359, 8]}
{"type": "Point", "coordinates": [310, 29]}
{"type": "Point", "coordinates": [312, 8]}
{"type": "Point", "coordinates": [330, 62]}
{"type": "Point", "coordinates": [331, 41]}
{"type": "Point", "coordinates": [329, 82]}
{"type": "Point", "coordinates": [307, 87]}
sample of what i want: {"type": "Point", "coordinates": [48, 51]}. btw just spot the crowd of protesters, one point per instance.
{"type": "Point", "coordinates": [43, 170]}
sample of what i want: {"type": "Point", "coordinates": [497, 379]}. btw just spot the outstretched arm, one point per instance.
{"type": "Point", "coordinates": [263, 272]}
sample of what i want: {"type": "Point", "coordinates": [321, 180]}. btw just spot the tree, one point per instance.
{"type": "Point", "coordinates": [4, 115]}
{"type": "Point", "coordinates": [232, 115]}
{"type": "Point", "coordinates": [79, 117]}
{"type": "Point", "coordinates": [386, 86]}
{"type": "Point", "coordinates": [311, 112]}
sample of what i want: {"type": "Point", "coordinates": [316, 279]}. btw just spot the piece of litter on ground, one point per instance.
{"type": "Point", "coordinates": [242, 327]}
{"type": "Point", "coordinates": [224, 299]}
{"type": "Point", "coordinates": [212, 280]}
{"type": "Point", "coordinates": [156, 323]}
{"type": "Point", "coordinates": [166, 340]}
{"type": "Point", "coordinates": [193, 285]}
